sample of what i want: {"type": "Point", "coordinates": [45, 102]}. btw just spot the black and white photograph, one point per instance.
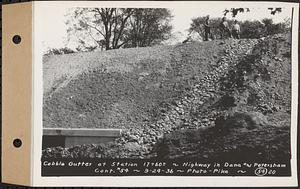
{"type": "Point", "coordinates": [168, 90]}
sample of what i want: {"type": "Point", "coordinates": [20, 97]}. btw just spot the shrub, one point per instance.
{"type": "Point", "coordinates": [55, 51]}
{"type": "Point", "coordinates": [249, 29]}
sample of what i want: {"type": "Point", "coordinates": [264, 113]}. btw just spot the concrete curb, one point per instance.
{"type": "Point", "coordinates": [53, 137]}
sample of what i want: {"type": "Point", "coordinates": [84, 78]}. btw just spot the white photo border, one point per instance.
{"type": "Point", "coordinates": [153, 181]}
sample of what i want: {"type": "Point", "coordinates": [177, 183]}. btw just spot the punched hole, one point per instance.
{"type": "Point", "coordinates": [16, 39]}
{"type": "Point", "coordinates": [17, 143]}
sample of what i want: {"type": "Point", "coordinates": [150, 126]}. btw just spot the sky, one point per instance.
{"type": "Point", "coordinates": [54, 28]}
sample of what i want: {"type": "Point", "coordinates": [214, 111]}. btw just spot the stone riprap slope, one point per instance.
{"type": "Point", "coordinates": [179, 113]}
{"type": "Point", "coordinates": [212, 99]}
{"type": "Point", "coordinates": [251, 114]}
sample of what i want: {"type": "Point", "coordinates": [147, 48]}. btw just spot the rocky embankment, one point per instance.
{"type": "Point", "coordinates": [230, 110]}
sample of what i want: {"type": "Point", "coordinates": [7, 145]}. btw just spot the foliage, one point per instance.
{"type": "Point", "coordinates": [273, 11]}
{"type": "Point", "coordinates": [57, 51]}
{"type": "Point", "coordinates": [257, 29]}
{"type": "Point", "coordinates": [112, 28]}
{"type": "Point", "coordinates": [197, 26]}
{"type": "Point", "coordinates": [149, 27]}
{"type": "Point", "coordinates": [249, 29]}
{"type": "Point", "coordinates": [235, 11]}
{"type": "Point", "coordinates": [252, 29]}
{"type": "Point", "coordinates": [271, 28]}
{"type": "Point", "coordinates": [101, 27]}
